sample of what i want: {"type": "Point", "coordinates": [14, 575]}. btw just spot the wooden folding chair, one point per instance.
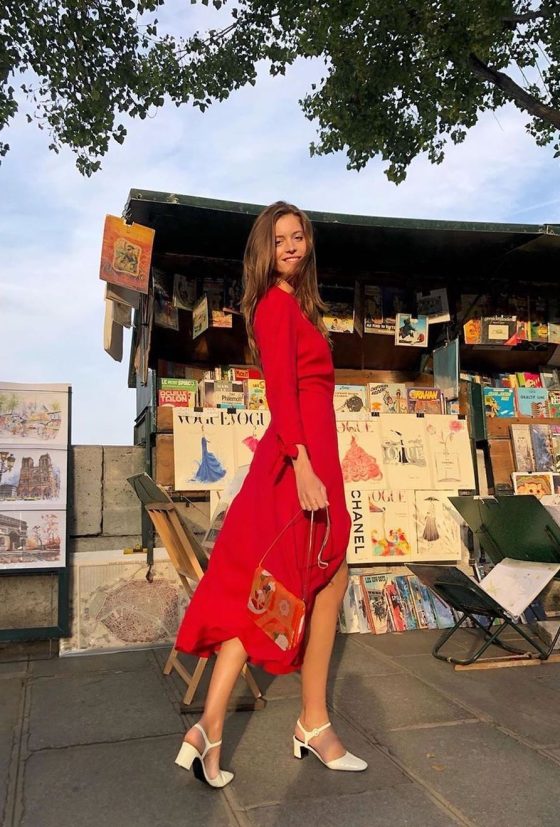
{"type": "Point", "coordinates": [189, 559]}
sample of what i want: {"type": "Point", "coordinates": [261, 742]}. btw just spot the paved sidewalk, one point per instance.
{"type": "Point", "coordinates": [91, 742]}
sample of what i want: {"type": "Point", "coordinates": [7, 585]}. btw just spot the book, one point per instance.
{"type": "Point", "coordinates": [506, 380]}
{"type": "Point", "coordinates": [529, 380]}
{"type": "Point", "coordinates": [165, 314]}
{"type": "Point", "coordinates": [185, 397]}
{"type": "Point", "coordinates": [555, 437]}
{"type": "Point", "coordinates": [376, 605]}
{"type": "Point", "coordinates": [554, 404]}
{"type": "Point", "coordinates": [522, 448]}
{"type": "Point", "coordinates": [472, 331]}
{"type": "Point", "coordinates": [388, 397]}
{"type": "Point", "coordinates": [539, 485]}
{"type": "Point", "coordinates": [373, 310]}
{"type": "Point", "coordinates": [255, 394]}
{"type": "Point", "coordinates": [359, 604]}
{"type": "Point", "coordinates": [531, 402]}
{"type": "Point", "coordinates": [497, 330]}
{"type": "Point", "coordinates": [515, 584]}
{"type": "Point", "coordinates": [538, 332]}
{"type": "Point", "coordinates": [518, 306]}
{"type": "Point", "coordinates": [200, 317]}
{"type": "Point", "coordinates": [403, 587]}
{"type": "Point", "coordinates": [395, 606]}
{"type": "Point", "coordinates": [219, 393]}
{"type": "Point", "coordinates": [394, 301]}
{"type": "Point", "coordinates": [434, 305]}
{"type": "Point", "coordinates": [341, 315]}
{"type": "Point", "coordinates": [349, 616]}
{"type": "Point", "coordinates": [177, 383]}
{"type": "Point", "coordinates": [349, 399]}
{"type": "Point", "coordinates": [418, 602]}
{"type": "Point", "coordinates": [410, 331]}
{"type": "Point", "coordinates": [444, 615]}
{"type": "Point", "coordinates": [428, 605]}
{"type": "Point", "coordinates": [541, 439]}
{"type": "Point", "coordinates": [236, 373]}
{"type": "Point", "coordinates": [425, 400]}
{"type": "Point", "coordinates": [499, 402]}
{"type": "Point", "coordinates": [184, 291]}
{"type": "Point", "coordinates": [126, 254]}
{"type": "Point", "coordinates": [550, 378]}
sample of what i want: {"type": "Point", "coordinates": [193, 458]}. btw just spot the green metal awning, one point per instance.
{"type": "Point", "coordinates": [187, 225]}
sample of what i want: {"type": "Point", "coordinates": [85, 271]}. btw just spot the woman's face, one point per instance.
{"type": "Point", "coordinates": [291, 245]}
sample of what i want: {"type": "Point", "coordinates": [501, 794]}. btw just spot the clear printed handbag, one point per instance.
{"type": "Point", "coordinates": [278, 612]}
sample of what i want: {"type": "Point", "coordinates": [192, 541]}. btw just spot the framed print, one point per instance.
{"type": "Point", "coordinates": [34, 414]}
{"type": "Point", "coordinates": [33, 478]}
{"type": "Point", "coordinates": [32, 539]}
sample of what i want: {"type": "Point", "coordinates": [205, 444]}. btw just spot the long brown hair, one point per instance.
{"type": "Point", "coordinates": [258, 270]}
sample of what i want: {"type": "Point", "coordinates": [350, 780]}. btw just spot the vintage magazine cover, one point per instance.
{"type": "Point", "coordinates": [450, 454]}
{"type": "Point", "coordinates": [499, 402]}
{"type": "Point", "coordinates": [377, 608]}
{"type": "Point", "coordinates": [382, 525]}
{"type": "Point", "coordinates": [522, 448]}
{"type": "Point", "coordinates": [437, 527]}
{"type": "Point", "coordinates": [126, 254]}
{"type": "Point", "coordinates": [541, 438]}
{"type": "Point", "coordinates": [405, 453]}
{"type": "Point", "coordinates": [425, 400]}
{"type": "Point", "coordinates": [410, 331]}
{"type": "Point", "coordinates": [360, 452]}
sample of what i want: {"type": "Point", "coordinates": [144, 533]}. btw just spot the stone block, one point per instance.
{"type": "Point", "coordinates": [85, 490]}
{"type": "Point", "coordinates": [28, 601]}
{"type": "Point", "coordinates": [91, 707]}
{"type": "Point", "coordinates": [11, 689]}
{"type": "Point", "coordinates": [486, 775]}
{"type": "Point", "coordinates": [405, 806]}
{"type": "Point", "coordinates": [258, 748]}
{"type": "Point", "coordinates": [121, 506]}
{"type": "Point", "coordinates": [118, 784]}
{"type": "Point", "coordinates": [104, 542]}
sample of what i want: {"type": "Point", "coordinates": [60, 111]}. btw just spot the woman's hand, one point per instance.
{"type": "Point", "coordinates": [311, 491]}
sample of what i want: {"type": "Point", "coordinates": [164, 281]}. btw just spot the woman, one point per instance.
{"type": "Point", "coordinates": [295, 471]}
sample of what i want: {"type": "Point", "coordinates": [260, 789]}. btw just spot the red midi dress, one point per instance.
{"type": "Point", "coordinates": [299, 375]}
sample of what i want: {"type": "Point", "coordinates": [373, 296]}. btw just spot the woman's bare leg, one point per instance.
{"type": "Point", "coordinates": [229, 663]}
{"type": "Point", "coordinates": [315, 667]}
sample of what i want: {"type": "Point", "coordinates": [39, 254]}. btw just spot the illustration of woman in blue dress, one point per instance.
{"type": "Point", "coordinates": [210, 469]}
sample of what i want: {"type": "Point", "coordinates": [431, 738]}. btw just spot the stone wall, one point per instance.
{"type": "Point", "coordinates": [103, 514]}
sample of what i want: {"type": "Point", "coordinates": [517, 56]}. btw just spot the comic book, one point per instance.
{"type": "Point", "coordinates": [499, 402]}
{"type": "Point", "coordinates": [410, 617]}
{"type": "Point", "coordinates": [425, 400]}
{"type": "Point", "coordinates": [373, 586]}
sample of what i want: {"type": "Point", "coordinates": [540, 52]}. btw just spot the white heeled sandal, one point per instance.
{"type": "Point", "coordinates": [189, 753]}
{"type": "Point", "coordinates": [346, 762]}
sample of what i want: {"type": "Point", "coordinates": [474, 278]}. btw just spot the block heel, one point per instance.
{"type": "Point", "coordinates": [189, 755]}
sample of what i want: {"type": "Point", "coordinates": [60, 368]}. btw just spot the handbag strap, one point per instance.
{"type": "Point", "coordinates": [322, 564]}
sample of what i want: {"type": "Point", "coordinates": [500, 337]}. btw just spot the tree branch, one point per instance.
{"type": "Point", "coordinates": [528, 16]}
{"type": "Point", "coordinates": [516, 93]}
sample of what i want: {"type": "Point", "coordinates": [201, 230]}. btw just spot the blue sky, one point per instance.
{"type": "Point", "coordinates": [253, 147]}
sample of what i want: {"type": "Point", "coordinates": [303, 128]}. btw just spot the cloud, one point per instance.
{"type": "Point", "coordinates": [251, 148]}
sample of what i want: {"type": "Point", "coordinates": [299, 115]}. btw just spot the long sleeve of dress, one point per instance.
{"type": "Point", "coordinates": [275, 334]}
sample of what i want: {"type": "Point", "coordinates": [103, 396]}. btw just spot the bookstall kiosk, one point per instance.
{"type": "Point", "coordinates": [206, 238]}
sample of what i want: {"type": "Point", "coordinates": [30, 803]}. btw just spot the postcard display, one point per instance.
{"type": "Point", "coordinates": [34, 439]}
